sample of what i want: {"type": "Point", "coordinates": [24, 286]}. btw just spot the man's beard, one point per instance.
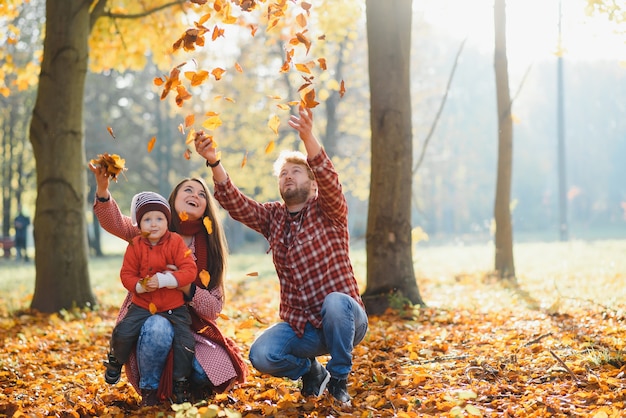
{"type": "Point", "coordinates": [297, 195]}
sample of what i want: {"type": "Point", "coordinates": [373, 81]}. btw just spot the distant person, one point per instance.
{"type": "Point", "coordinates": [218, 363]}
{"type": "Point", "coordinates": [320, 302]}
{"type": "Point", "coordinates": [156, 263]}
{"type": "Point", "coordinates": [21, 223]}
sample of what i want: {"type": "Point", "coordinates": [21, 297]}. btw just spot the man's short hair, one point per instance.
{"type": "Point", "coordinates": [294, 157]}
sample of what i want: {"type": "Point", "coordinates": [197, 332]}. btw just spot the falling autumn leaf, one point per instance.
{"type": "Point", "coordinates": [244, 160]}
{"type": "Point", "coordinates": [205, 277]}
{"type": "Point", "coordinates": [187, 154]}
{"type": "Point", "coordinates": [342, 89]}
{"type": "Point", "coordinates": [270, 147]}
{"type": "Point", "coordinates": [208, 225]}
{"type": "Point", "coordinates": [183, 216]}
{"type": "Point", "coordinates": [308, 100]}
{"type": "Point", "coordinates": [238, 68]}
{"type": "Point", "coordinates": [212, 123]}
{"type": "Point", "coordinates": [151, 143]}
{"type": "Point", "coordinates": [253, 274]}
{"type": "Point", "coordinates": [152, 307]}
{"type": "Point", "coordinates": [189, 119]}
{"type": "Point", "coordinates": [188, 252]}
{"type": "Point", "coordinates": [217, 73]}
{"type": "Point", "coordinates": [111, 131]}
{"type": "Point", "coordinates": [274, 123]}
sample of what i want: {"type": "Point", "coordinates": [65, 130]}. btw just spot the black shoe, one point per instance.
{"type": "Point", "coordinates": [315, 380]}
{"type": "Point", "coordinates": [337, 388]}
{"type": "Point", "coordinates": [181, 391]}
{"type": "Point", "coordinates": [149, 397]}
{"type": "Point", "coordinates": [201, 393]}
{"type": "Point", "coordinates": [113, 371]}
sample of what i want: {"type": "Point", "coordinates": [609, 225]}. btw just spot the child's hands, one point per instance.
{"type": "Point", "coordinates": [150, 283]}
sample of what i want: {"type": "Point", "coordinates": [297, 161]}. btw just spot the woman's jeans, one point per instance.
{"type": "Point", "coordinates": [155, 341]}
{"type": "Point", "coordinates": [278, 351]}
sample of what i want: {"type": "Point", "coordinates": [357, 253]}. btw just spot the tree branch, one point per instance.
{"type": "Point", "coordinates": [144, 13]}
{"type": "Point", "coordinates": [440, 111]}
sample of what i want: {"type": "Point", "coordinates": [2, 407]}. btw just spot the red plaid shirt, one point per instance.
{"type": "Point", "coordinates": [310, 251]}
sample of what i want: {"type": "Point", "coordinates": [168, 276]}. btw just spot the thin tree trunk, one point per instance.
{"type": "Point", "coordinates": [390, 273]}
{"type": "Point", "coordinates": [61, 250]}
{"type": "Point", "coordinates": [504, 264]}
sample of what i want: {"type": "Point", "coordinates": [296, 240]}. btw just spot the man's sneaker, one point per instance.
{"type": "Point", "coordinates": [113, 371]}
{"type": "Point", "coordinates": [338, 388]}
{"type": "Point", "coordinates": [149, 397]}
{"type": "Point", "coordinates": [315, 380]}
{"type": "Point", "coordinates": [181, 393]}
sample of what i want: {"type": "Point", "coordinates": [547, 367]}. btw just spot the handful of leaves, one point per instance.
{"type": "Point", "coordinates": [112, 163]}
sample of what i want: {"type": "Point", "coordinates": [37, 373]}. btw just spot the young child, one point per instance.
{"type": "Point", "coordinates": [156, 263]}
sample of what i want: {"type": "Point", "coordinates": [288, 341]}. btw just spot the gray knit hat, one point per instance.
{"type": "Point", "coordinates": [148, 201]}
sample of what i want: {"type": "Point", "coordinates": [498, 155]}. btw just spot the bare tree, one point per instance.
{"type": "Point", "coordinates": [390, 271]}
{"type": "Point", "coordinates": [504, 263]}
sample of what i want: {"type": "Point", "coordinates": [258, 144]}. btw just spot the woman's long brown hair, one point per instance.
{"type": "Point", "coordinates": [217, 246]}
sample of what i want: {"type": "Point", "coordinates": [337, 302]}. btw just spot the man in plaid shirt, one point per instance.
{"type": "Point", "coordinates": [307, 233]}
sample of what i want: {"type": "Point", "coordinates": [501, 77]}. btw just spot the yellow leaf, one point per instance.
{"type": "Point", "coordinates": [244, 160]}
{"type": "Point", "coordinates": [282, 106]}
{"type": "Point", "coordinates": [223, 316]}
{"type": "Point", "coordinates": [151, 143]}
{"type": "Point", "coordinates": [205, 277]}
{"type": "Point", "coordinates": [270, 147]}
{"type": "Point", "coordinates": [152, 307]}
{"type": "Point", "coordinates": [212, 123]}
{"type": "Point", "coordinates": [188, 253]}
{"type": "Point", "coordinates": [303, 68]}
{"type": "Point", "coordinates": [190, 136]}
{"type": "Point", "coordinates": [274, 123]}
{"type": "Point", "coordinates": [208, 225]}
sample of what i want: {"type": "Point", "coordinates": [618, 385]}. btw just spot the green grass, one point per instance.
{"type": "Point", "coordinates": [448, 276]}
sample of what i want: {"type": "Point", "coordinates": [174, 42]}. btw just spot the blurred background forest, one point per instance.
{"type": "Point", "coordinates": [454, 185]}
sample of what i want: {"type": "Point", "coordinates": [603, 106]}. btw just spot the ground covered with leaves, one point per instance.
{"type": "Point", "coordinates": [549, 346]}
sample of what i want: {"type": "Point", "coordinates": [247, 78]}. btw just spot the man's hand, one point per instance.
{"type": "Point", "coordinates": [205, 147]}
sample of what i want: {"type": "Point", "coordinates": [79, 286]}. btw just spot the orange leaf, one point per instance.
{"type": "Point", "coordinates": [342, 89]}
{"type": "Point", "coordinates": [158, 81]}
{"type": "Point", "coordinates": [244, 160]}
{"type": "Point", "coordinates": [303, 68]}
{"type": "Point", "coordinates": [187, 154]}
{"type": "Point", "coordinates": [322, 62]}
{"type": "Point", "coordinates": [183, 216]}
{"type": "Point", "coordinates": [308, 100]}
{"type": "Point", "coordinates": [208, 225]}
{"type": "Point", "coordinates": [205, 277]}
{"type": "Point", "coordinates": [151, 143]}
{"type": "Point", "coordinates": [274, 123]}
{"type": "Point", "coordinates": [270, 147]}
{"type": "Point", "coordinates": [217, 73]}
{"type": "Point", "coordinates": [253, 274]}
{"type": "Point", "coordinates": [111, 131]}
{"type": "Point", "coordinates": [189, 119]}
{"type": "Point", "coordinates": [188, 252]}
{"type": "Point", "coordinates": [238, 67]}
{"type": "Point", "coordinates": [152, 307]}
{"type": "Point", "coordinates": [223, 316]}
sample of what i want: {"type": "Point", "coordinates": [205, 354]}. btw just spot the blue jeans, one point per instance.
{"type": "Point", "coordinates": [155, 341]}
{"type": "Point", "coordinates": [278, 351]}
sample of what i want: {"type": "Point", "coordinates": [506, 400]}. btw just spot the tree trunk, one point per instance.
{"type": "Point", "coordinates": [61, 251]}
{"type": "Point", "coordinates": [390, 274]}
{"type": "Point", "coordinates": [504, 265]}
